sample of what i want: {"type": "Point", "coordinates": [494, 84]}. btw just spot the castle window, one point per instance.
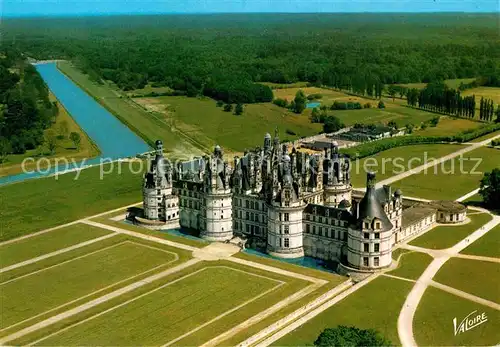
{"type": "Point", "coordinates": [287, 217]}
{"type": "Point", "coordinates": [247, 215]}
{"type": "Point", "coordinates": [320, 232]}
{"type": "Point", "coordinates": [321, 219]}
{"type": "Point", "coordinates": [327, 212]}
{"type": "Point", "coordinates": [314, 229]}
{"type": "Point", "coordinates": [247, 204]}
{"type": "Point", "coordinates": [377, 247]}
{"type": "Point", "coordinates": [377, 235]}
{"type": "Point", "coordinates": [366, 225]}
{"type": "Point", "coordinates": [308, 229]}
{"type": "Point", "coordinates": [279, 215]}
{"type": "Point", "coordinates": [344, 236]}
{"type": "Point", "coordinates": [366, 235]}
{"type": "Point", "coordinates": [287, 229]}
{"type": "Point", "coordinates": [366, 247]}
{"type": "Point", "coordinates": [365, 261]}
{"type": "Point", "coordinates": [377, 225]}
{"type": "Point", "coordinates": [251, 205]}
{"type": "Point", "coordinates": [376, 261]}
{"type": "Point", "coordinates": [307, 217]}
{"type": "Point", "coordinates": [287, 243]}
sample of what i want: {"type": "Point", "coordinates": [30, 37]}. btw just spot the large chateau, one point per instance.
{"type": "Point", "coordinates": [291, 203]}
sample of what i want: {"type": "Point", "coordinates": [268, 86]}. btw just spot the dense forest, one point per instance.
{"type": "Point", "coordinates": [25, 108]}
{"type": "Point", "coordinates": [224, 56]}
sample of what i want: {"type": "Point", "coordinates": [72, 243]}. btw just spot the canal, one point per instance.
{"type": "Point", "coordinates": [114, 139]}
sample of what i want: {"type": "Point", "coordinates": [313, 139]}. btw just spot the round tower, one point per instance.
{"type": "Point", "coordinates": [370, 238]}
{"type": "Point", "coordinates": [284, 219]}
{"type": "Point", "coordinates": [216, 211]}
{"type": "Point", "coordinates": [337, 186]}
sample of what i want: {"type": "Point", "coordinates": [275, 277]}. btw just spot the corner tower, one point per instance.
{"type": "Point", "coordinates": [337, 188]}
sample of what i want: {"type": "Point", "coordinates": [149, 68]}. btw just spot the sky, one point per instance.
{"type": "Point", "coordinates": [9, 8]}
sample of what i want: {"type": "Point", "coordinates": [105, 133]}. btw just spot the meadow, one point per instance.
{"type": "Point", "coordinates": [453, 178]}
{"type": "Point", "coordinates": [201, 119]}
{"type": "Point", "coordinates": [42, 203]}
{"type": "Point", "coordinates": [485, 92]}
{"type": "Point", "coordinates": [65, 148]}
{"type": "Point", "coordinates": [487, 246]}
{"type": "Point", "coordinates": [433, 321]}
{"type": "Point", "coordinates": [449, 126]}
{"type": "Point", "coordinates": [412, 265]}
{"type": "Point", "coordinates": [397, 160]}
{"type": "Point", "coordinates": [445, 236]}
{"type": "Point", "coordinates": [479, 278]}
{"type": "Point", "coordinates": [375, 306]}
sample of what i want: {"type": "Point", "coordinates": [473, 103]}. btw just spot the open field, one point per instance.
{"type": "Point", "coordinates": [143, 123]}
{"type": "Point", "coordinates": [452, 83]}
{"type": "Point", "coordinates": [202, 302]}
{"type": "Point", "coordinates": [433, 322]}
{"type": "Point", "coordinates": [328, 95]}
{"type": "Point", "coordinates": [442, 237]}
{"type": "Point", "coordinates": [479, 278]}
{"type": "Point", "coordinates": [412, 265]}
{"type": "Point", "coordinates": [65, 147]}
{"type": "Point", "coordinates": [76, 277]}
{"type": "Point", "coordinates": [449, 126]}
{"type": "Point", "coordinates": [453, 178]}
{"type": "Point", "coordinates": [147, 90]}
{"type": "Point", "coordinates": [398, 160]}
{"type": "Point", "coordinates": [46, 202]}
{"type": "Point", "coordinates": [374, 306]}
{"type": "Point", "coordinates": [487, 246]}
{"type": "Point", "coordinates": [208, 124]}
{"type": "Point", "coordinates": [32, 247]}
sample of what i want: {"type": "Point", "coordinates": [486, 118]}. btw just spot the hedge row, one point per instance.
{"type": "Point", "coordinates": [371, 148]}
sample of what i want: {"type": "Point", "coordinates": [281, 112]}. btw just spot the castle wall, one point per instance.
{"type": "Point", "coordinates": [249, 216]}
{"type": "Point", "coordinates": [217, 219]}
{"type": "Point", "coordinates": [284, 231]}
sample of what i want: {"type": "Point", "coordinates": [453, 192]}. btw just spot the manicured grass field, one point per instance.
{"type": "Point", "coordinates": [400, 251]}
{"type": "Point", "coordinates": [32, 247]}
{"type": "Point", "coordinates": [446, 236]}
{"type": "Point", "coordinates": [374, 306]}
{"type": "Point", "coordinates": [433, 321]}
{"type": "Point", "coordinates": [398, 160]}
{"type": "Point", "coordinates": [171, 311]}
{"type": "Point", "coordinates": [487, 246]}
{"type": "Point", "coordinates": [453, 178]}
{"type": "Point", "coordinates": [479, 278]}
{"type": "Point", "coordinates": [449, 126]}
{"type": "Point", "coordinates": [57, 285]}
{"type": "Point", "coordinates": [412, 265]}
{"type": "Point", "coordinates": [145, 124]}
{"type": "Point", "coordinates": [65, 147]}
{"type": "Point", "coordinates": [202, 120]}
{"type": "Point", "coordinates": [42, 203]}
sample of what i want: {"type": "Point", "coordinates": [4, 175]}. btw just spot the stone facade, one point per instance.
{"type": "Point", "coordinates": [291, 203]}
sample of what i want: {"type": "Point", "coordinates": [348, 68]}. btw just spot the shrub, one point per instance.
{"type": "Point", "coordinates": [281, 102]}
{"type": "Point", "coordinates": [434, 121]}
{"type": "Point", "coordinates": [290, 132]}
{"type": "Point", "coordinates": [367, 105]}
{"type": "Point", "coordinates": [381, 104]}
{"type": "Point", "coordinates": [220, 103]}
{"type": "Point", "coordinates": [228, 108]}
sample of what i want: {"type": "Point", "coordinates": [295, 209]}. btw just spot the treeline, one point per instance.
{"type": "Point", "coordinates": [374, 147]}
{"type": "Point", "coordinates": [226, 56]}
{"type": "Point", "coordinates": [26, 110]}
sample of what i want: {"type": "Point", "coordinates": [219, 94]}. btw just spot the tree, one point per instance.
{"type": "Point", "coordinates": [51, 140]}
{"type": "Point", "coordinates": [315, 115]}
{"type": "Point", "coordinates": [381, 104]}
{"type": "Point", "coordinates": [220, 103]}
{"type": "Point", "coordinates": [498, 115]}
{"type": "Point", "coordinates": [490, 189]}
{"type": "Point", "coordinates": [228, 107]}
{"type": "Point", "coordinates": [332, 124]}
{"type": "Point", "coordinates": [350, 336]}
{"type": "Point", "coordinates": [392, 90]}
{"type": "Point", "coordinates": [238, 110]}
{"type": "Point", "coordinates": [5, 148]}
{"type": "Point", "coordinates": [409, 128]}
{"type": "Point", "coordinates": [76, 139]}
{"type": "Point", "coordinates": [392, 124]}
{"type": "Point", "coordinates": [300, 101]}
{"type": "Point", "coordinates": [63, 129]}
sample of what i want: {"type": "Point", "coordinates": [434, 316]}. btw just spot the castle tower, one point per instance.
{"type": "Point", "coordinates": [336, 179]}
{"type": "Point", "coordinates": [284, 219]}
{"type": "Point", "coordinates": [159, 202]}
{"type": "Point", "coordinates": [370, 239]}
{"type": "Point", "coordinates": [216, 212]}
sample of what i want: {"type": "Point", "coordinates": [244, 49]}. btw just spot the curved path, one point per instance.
{"type": "Point", "coordinates": [406, 316]}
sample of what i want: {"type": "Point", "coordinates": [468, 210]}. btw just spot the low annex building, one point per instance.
{"type": "Point", "coordinates": [293, 203]}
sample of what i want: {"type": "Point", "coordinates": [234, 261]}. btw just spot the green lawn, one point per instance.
{"type": "Point", "coordinates": [479, 278]}
{"type": "Point", "coordinates": [400, 251]}
{"type": "Point", "coordinates": [452, 179]}
{"type": "Point", "coordinates": [447, 236]}
{"type": "Point", "coordinates": [29, 295]}
{"type": "Point", "coordinates": [32, 247]}
{"type": "Point", "coordinates": [171, 311]}
{"type": "Point", "coordinates": [42, 203]}
{"type": "Point", "coordinates": [412, 265]}
{"type": "Point", "coordinates": [486, 137]}
{"type": "Point", "coordinates": [374, 306]}
{"type": "Point", "coordinates": [202, 120]}
{"type": "Point", "coordinates": [449, 126]}
{"type": "Point", "coordinates": [145, 124]}
{"type": "Point", "coordinates": [398, 160]}
{"type": "Point", "coordinates": [433, 322]}
{"type": "Point", "coordinates": [487, 246]}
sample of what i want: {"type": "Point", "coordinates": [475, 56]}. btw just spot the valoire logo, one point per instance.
{"type": "Point", "coordinates": [471, 321]}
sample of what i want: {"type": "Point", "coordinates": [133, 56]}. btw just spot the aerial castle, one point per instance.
{"type": "Point", "coordinates": [296, 204]}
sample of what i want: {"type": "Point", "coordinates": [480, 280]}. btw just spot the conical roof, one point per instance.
{"type": "Point", "coordinates": [370, 207]}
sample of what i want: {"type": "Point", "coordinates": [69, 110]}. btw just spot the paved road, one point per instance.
{"type": "Point", "coordinates": [406, 316]}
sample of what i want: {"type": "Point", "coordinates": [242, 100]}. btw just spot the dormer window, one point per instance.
{"type": "Point", "coordinates": [378, 225]}
{"type": "Point", "coordinates": [366, 225]}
